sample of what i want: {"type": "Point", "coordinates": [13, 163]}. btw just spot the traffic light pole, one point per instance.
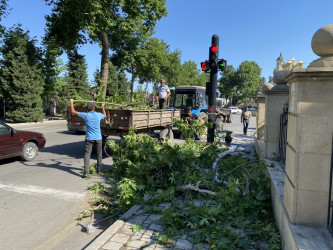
{"type": "Point", "coordinates": [212, 95]}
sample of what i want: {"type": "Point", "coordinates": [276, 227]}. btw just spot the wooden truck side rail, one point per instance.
{"type": "Point", "coordinates": [121, 120]}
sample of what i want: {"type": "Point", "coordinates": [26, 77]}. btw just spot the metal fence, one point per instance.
{"type": "Point", "coordinates": [283, 135]}
{"type": "Point", "coordinates": [330, 201]}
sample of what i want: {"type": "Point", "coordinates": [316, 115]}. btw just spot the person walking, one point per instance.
{"type": "Point", "coordinates": [163, 94]}
{"type": "Point", "coordinates": [93, 134]}
{"type": "Point", "coordinates": [245, 119]}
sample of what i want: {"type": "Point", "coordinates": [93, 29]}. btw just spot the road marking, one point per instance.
{"type": "Point", "coordinates": [42, 191]}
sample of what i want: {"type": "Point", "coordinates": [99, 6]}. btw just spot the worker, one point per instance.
{"type": "Point", "coordinates": [163, 94]}
{"type": "Point", "coordinates": [93, 134]}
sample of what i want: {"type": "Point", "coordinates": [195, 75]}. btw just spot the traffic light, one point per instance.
{"type": "Point", "coordinates": [213, 55]}
{"type": "Point", "coordinates": [222, 64]}
{"type": "Point", "coordinates": [205, 66]}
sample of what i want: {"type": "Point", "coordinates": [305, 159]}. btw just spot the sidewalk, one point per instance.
{"type": "Point", "coordinates": [46, 119]}
{"type": "Point", "coordinates": [120, 236]}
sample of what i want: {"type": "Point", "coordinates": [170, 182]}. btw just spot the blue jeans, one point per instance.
{"type": "Point", "coordinates": [245, 125]}
{"type": "Point", "coordinates": [89, 145]}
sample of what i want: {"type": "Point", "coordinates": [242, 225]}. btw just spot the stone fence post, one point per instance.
{"type": "Point", "coordinates": [309, 141]}
{"type": "Point", "coordinates": [276, 97]}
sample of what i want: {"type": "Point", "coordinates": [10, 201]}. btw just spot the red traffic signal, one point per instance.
{"type": "Point", "coordinates": [213, 55]}
{"type": "Point", "coordinates": [205, 66]}
{"type": "Point", "coordinates": [213, 48]}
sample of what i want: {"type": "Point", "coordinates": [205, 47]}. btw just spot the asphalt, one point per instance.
{"type": "Point", "coordinates": [120, 235]}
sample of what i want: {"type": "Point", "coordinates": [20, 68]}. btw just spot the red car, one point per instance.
{"type": "Point", "coordinates": [19, 143]}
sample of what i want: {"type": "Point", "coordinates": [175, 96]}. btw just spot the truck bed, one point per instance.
{"type": "Point", "coordinates": [119, 120]}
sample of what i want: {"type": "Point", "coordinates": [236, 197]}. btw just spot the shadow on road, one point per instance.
{"type": "Point", "coordinates": [73, 149]}
{"type": "Point", "coordinates": [59, 165]}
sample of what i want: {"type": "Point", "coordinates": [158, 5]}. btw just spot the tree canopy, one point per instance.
{"type": "Point", "coordinates": [21, 77]}
{"type": "Point", "coordinates": [155, 61]}
{"type": "Point", "coordinates": [241, 84]}
{"type": "Point", "coordinates": [110, 23]}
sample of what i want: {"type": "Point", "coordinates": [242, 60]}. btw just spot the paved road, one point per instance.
{"type": "Point", "coordinates": [40, 200]}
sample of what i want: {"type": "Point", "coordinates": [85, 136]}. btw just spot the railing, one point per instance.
{"type": "Point", "coordinates": [330, 201]}
{"type": "Point", "coordinates": [283, 135]}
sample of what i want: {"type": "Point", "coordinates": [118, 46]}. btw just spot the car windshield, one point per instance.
{"type": "Point", "coordinates": [189, 100]}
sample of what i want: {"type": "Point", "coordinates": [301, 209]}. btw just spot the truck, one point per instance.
{"type": "Point", "coordinates": [195, 97]}
{"type": "Point", "coordinates": [119, 121]}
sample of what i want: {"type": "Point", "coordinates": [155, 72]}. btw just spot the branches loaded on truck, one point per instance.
{"type": "Point", "coordinates": [120, 120]}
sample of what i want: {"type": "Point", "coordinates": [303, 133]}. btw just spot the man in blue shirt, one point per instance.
{"type": "Point", "coordinates": [93, 134]}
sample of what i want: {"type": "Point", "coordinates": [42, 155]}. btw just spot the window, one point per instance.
{"type": "Point", "coordinates": [185, 100]}
{"type": "Point", "coordinates": [4, 130]}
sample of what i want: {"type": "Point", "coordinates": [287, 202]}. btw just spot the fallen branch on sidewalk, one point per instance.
{"type": "Point", "coordinates": [196, 188]}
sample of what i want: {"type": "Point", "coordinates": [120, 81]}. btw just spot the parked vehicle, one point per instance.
{"type": "Point", "coordinates": [119, 121]}
{"type": "Point", "coordinates": [251, 108]}
{"type": "Point", "coordinates": [235, 110]}
{"type": "Point", "coordinates": [21, 143]}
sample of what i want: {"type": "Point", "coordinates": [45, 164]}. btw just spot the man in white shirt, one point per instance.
{"type": "Point", "coordinates": [163, 94]}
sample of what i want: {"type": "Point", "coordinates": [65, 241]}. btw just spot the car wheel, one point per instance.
{"type": "Point", "coordinates": [29, 151]}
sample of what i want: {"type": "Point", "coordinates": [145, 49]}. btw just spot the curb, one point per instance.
{"type": "Point", "coordinates": [31, 124]}
{"type": "Point", "coordinates": [106, 235]}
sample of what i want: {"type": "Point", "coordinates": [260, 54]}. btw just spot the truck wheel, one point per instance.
{"type": "Point", "coordinates": [228, 139]}
{"type": "Point", "coordinates": [166, 135]}
{"type": "Point", "coordinates": [29, 151]}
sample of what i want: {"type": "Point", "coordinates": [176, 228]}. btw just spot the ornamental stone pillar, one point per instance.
{"type": "Point", "coordinates": [276, 98]}
{"type": "Point", "coordinates": [309, 141]}
{"type": "Point", "coordinates": [260, 126]}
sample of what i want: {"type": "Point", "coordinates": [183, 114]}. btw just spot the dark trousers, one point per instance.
{"type": "Point", "coordinates": [89, 145]}
{"type": "Point", "coordinates": [162, 103]}
{"type": "Point", "coordinates": [245, 125]}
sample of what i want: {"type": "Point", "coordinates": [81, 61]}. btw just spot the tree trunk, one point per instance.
{"type": "Point", "coordinates": [132, 81]}
{"type": "Point", "coordinates": [104, 62]}
{"type": "Point", "coordinates": [146, 92]}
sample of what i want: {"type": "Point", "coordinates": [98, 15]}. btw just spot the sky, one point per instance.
{"type": "Point", "coordinates": [257, 30]}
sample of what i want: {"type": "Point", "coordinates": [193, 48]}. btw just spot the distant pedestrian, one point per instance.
{"type": "Point", "coordinates": [245, 119]}
{"type": "Point", "coordinates": [93, 134]}
{"type": "Point", "coordinates": [163, 94]}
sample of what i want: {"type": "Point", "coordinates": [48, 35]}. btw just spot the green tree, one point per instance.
{"type": "Point", "coordinates": [21, 77]}
{"type": "Point", "coordinates": [109, 23]}
{"type": "Point", "coordinates": [118, 84]}
{"type": "Point", "coordinates": [241, 84]}
{"type": "Point", "coordinates": [189, 74]}
{"type": "Point", "coordinates": [3, 13]}
{"type": "Point", "coordinates": [249, 79]}
{"type": "Point", "coordinates": [77, 79]}
{"type": "Point", "coordinates": [52, 68]}
{"type": "Point", "coordinates": [155, 61]}
{"type": "Point", "coordinates": [124, 56]}
{"type": "Point", "coordinates": [203, 78]}
{"type": "Point", "coordinates": [228, 84]}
